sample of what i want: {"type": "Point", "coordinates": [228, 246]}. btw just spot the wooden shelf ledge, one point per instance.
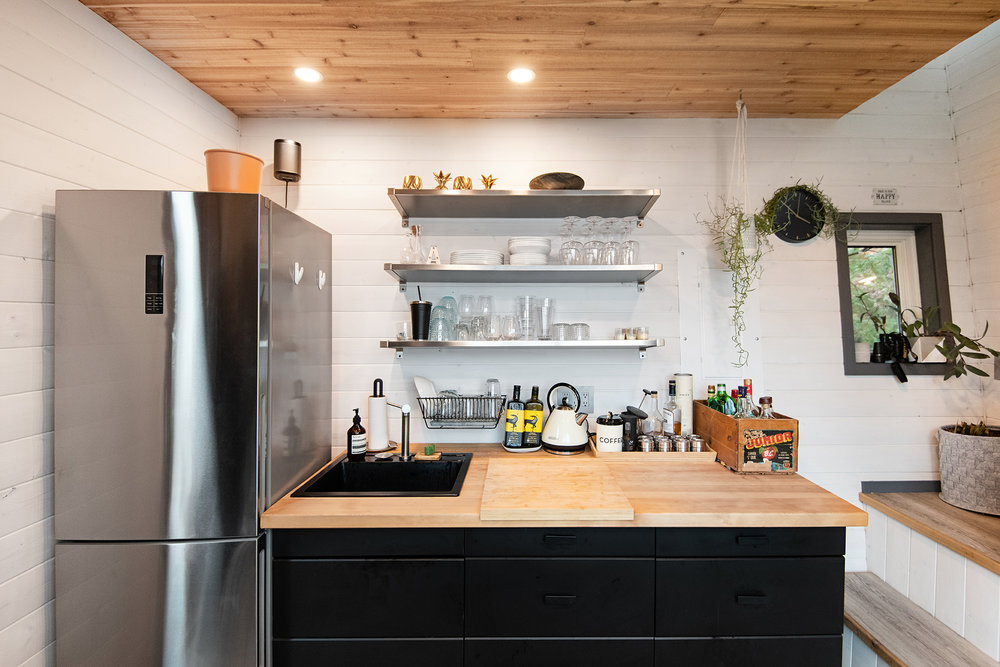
{"type": "Point", "coordinates": [970, 534]}
{"type": "Point", "coordinates": [899, 631]}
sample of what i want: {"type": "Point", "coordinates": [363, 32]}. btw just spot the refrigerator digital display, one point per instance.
{"type": "Point", "coordinates": [154, 284]}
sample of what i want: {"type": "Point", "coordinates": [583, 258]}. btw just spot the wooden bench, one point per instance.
{"type": "Point", "coordinates": [899, 631]}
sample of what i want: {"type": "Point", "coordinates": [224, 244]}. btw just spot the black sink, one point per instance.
{"type": "Point", "coordinates": [388, 477]}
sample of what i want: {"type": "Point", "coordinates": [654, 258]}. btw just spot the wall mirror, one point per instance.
{"type": "Point", "coordinates": [889, 252]}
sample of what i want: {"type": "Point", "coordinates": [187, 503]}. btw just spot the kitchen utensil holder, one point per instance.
{"type": "Point", "coordinates": [479, 411]}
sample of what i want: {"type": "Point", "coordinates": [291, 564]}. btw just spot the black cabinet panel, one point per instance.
{"type": "Point", "coordinates": [367, 542]}
{"type": "Point", "coordinates": [577, 597]}
{"type": "Point", "coordinates": [359, 653]}
{"type": "Point", "coordinates": [559, 542]}
{"type": "Point", "coordinates": [755, 652]}
{"type": "Point", "coordinates": [554, 652]}
{"type": "Point", "coordinates": [750, 542]}
{"type": "Point", "coordinates": [368, 598]}
{"type": "Point", "coordinates": [710, 597]}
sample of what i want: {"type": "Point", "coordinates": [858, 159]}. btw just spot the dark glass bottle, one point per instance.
{"type": "Point", "coordinates": [533, 416]}
{"type": "Point", "coordinates": [357, 439]}
{"type": "Point", "coordinates": [514, 429]}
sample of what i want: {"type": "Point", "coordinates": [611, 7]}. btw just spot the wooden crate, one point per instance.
{"type": "Point", "coordinates": [750, 445]}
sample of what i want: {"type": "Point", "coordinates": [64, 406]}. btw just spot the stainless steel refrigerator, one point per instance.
{"type": "Point", "coordinates": [192, 390]}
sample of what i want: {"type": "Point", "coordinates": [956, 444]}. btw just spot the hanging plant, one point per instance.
{"type": "Point", "coordinates": [742, 243]}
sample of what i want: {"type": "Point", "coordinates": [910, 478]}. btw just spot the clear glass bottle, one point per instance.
{"type": "Point", "coordinates": [652, 425]}
{"type": "Point", "coordinates": [672, 411]}
{"type": "Point", "coordinates": [752, 407]}
{"type": "Point", "coordinates": [766, 411]}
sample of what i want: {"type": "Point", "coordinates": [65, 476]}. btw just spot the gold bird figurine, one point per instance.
{"type": "Point", "coordinates": [488, 181]}
{"type": "Point", "coordinates": [442, 179]}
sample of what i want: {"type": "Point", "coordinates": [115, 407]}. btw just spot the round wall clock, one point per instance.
{"type": "Point", "coordinates": [798, 215]}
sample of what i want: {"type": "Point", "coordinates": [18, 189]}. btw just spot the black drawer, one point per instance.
{"type": "Point", "coordinates": [712, 597]}
{"type": "Point", "coordinates": [367, 598]}
{"type": "Point", "coordinates": [560, 542]}
{"type": "Point", "coordinates": [355, 653]}
{"type": "Point", "coordinates": [576, 597]}
{"type": "Point", "coordinates": [736, 542]}
{"type": "Point", "coordinates": [367, 542]}
{"type": "Point", "coordinates": [755, 652]}
{"type": "Point", "coordinates": [553, 652]}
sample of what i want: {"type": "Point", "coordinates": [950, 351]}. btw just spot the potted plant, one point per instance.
{"type": "Point", "coordinates": [799, 212]}
{"type": "Point", "coordinates": [954, 347]}
{"type": "Point", "coordinates": [970, 466]}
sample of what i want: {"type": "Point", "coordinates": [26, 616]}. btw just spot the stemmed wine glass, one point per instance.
{"type": "Point", "coordinates": [609, 251]}
{"type": "Point", "coordinates": [630, 247]}
{"type": "Point", "coordinates": [571, 250]}
{"type": "Point", "coordinates": [592, 248]}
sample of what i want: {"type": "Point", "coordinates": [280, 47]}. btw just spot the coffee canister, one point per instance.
{"type": "Point", "coordinates": [610, 428]}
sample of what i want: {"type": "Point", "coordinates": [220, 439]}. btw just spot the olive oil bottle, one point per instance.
{"type": "Point", "coordinates": [514, 429]}
{"type": "Point", "coordinates": [533, 416]}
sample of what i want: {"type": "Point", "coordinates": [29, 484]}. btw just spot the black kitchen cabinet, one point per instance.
{"type": "Point", "coordinates": [545, 596]}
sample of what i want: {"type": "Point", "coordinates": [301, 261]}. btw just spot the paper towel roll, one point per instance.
{"type": "Point", "coordinates": [685, 400]}
{"type": "Point", "coordinates": [378, 424]}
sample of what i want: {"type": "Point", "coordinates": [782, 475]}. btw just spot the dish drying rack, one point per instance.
{"type": "Point", "coordinates": [462, 411]}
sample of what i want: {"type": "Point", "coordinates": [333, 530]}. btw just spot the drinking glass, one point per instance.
{"type": "Point", "coordinates": [477, 328]}
{"type": "Point", "coordinates": [609, 250]}
{"type": "Point", "coordinates": [527, 313]}
{"type": "Point", "coordinates": [450, 305]}
{"type": "Point", "coordinates": [592, 248]}
{"type": "Point", "coordinates": [494, 327]}
{"type": "Point", "coordinates": [571, 250]}
{"type": "Point", "coordinates": [546, 312]}
{"type": "Point", "coordinates": [511, 328]}
{"type": "Point", "coordinates": [630, 248]}
{"type": "Point", "coordinates": [484, 306]}
{"type": "Point", "coordinates": [466, 307]}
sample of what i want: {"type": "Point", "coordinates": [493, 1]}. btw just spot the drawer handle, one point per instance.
{"type": "Point", "coordinates": [752, 600]}
{"type": "Point", "coordinates": [752, 540]}
{"type": "Point", "coordinates": [559, 539]}
{"type": "Point", "coordinates": [560, 600]}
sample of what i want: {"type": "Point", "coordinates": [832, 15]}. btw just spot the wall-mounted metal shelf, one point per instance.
{"type": "Point", "coordinates": [636, 274]}
{"type": "Point", "coordinates": [638, 345]}
{"type": "Point", "coordinates": [430, 205]}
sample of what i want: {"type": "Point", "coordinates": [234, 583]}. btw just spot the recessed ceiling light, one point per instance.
{"type": "Point", "coordinates": [521, 75]}
{"type": "Point", "coordinates": [308, 74]}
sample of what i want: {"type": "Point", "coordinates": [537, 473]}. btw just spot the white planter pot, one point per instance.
{"type": "Point", "coordinates": [925, 347]}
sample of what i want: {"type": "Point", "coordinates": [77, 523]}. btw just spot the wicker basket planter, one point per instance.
{"type": "Point", "coordinates": [970, 470]}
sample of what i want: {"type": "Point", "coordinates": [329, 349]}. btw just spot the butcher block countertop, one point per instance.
{"type": "Point", "coordinates": [552, 491]}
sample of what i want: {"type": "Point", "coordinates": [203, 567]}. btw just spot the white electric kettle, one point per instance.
{"type": "Point", "coordinates": [565, 431]}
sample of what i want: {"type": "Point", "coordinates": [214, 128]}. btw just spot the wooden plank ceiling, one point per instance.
{"type": "Point", "coordinates": [593, 58]}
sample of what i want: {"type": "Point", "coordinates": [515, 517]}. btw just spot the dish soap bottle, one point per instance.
{"type": "Point", "coordinates": [357, 439]}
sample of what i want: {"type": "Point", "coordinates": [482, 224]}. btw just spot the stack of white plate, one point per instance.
{"type": "Point", "coordinates": [529, 250]}
{"type": "Point", "coordinates": [492, 257]}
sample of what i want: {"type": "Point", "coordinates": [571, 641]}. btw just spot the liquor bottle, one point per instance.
{"type": "Point", "coordinates": [743, 408]}
{"type": "Point", "coordinates": [724, 403]}
{"type": "Point", "coordinates": [672, 411]}
{"type": "Point", "coordinates": [514, 429]}
{"type": "Point", "coordinates": [712, 401]}
{"type": "Point", "coordinates": [748, 383]}
{"type": "Point", "coordinates": [653, 423]}
{"type": "Point", "coordinates": [766, 412]}
{"type": "Point", "coordinates": [357, 439]}
{"type": "Point", "coordinates": [533, 415]}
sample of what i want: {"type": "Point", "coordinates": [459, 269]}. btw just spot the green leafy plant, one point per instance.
{"type": "Point", "coordinates": [956, 347]}
{"type": "Point", "coordinates": [741, 243]}
{"type": "Point", "coordinates": [964, 428]}
{"type": "Point", "coordinates": [878, 321]}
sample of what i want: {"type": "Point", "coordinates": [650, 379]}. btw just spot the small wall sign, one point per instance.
{"type": "Point", "coordinates": [885, 196]}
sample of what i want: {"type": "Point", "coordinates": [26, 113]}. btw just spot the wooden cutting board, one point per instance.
{"type": "Point", "coordinates": [552, 490]}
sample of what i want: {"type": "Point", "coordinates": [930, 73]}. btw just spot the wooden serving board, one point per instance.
{"type": "Point", "coordinates": [552, 490]}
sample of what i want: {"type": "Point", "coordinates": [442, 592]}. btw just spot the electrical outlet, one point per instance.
{"type": "Point", "coordinates": [586, 399]}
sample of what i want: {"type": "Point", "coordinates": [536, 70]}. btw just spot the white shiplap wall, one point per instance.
{"type": "Point", "coordinates": [974, 81]}
{"type": "Point", "coordinates": [854, 428]}
{"type": "Point", "coordinates": [82, 106]}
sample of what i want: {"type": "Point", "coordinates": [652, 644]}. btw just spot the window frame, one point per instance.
{"type": "Point", "coordinates": [932, 274]}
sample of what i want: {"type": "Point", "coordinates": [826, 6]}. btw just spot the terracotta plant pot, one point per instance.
{"type": "Point", "coordinates": [970, 470]}
{"type": "Point", "coordinates": [232, 171]}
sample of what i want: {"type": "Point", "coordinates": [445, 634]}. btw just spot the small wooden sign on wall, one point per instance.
{"type": "Point", "coordinates": [885, 196]}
